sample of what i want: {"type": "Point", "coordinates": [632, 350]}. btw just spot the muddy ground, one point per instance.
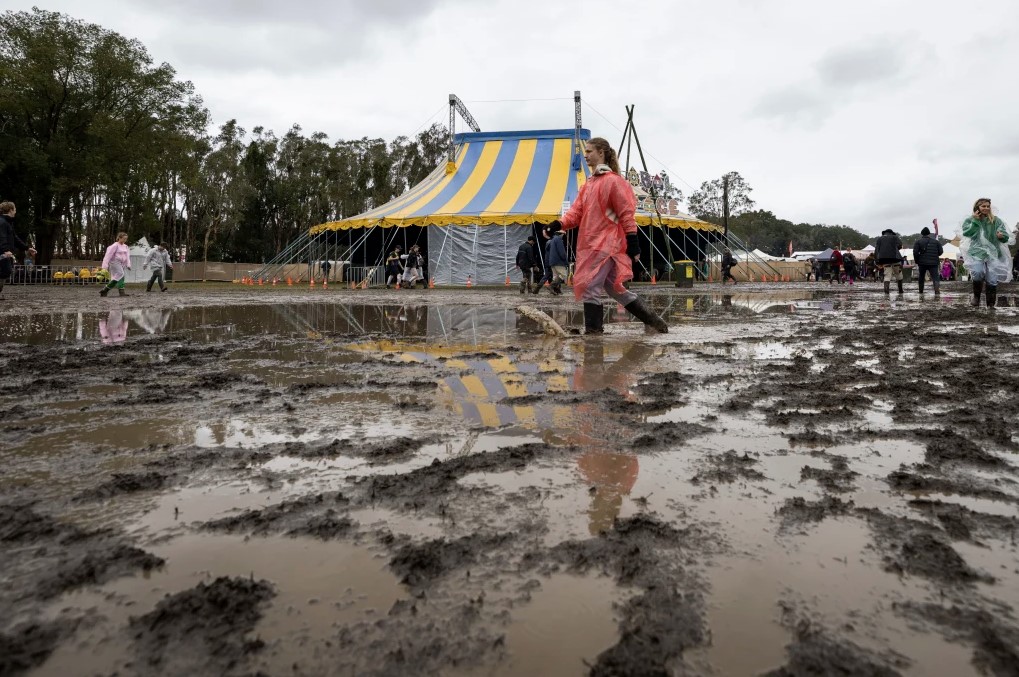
{"type": "Point", "coordinates": [796, 480]}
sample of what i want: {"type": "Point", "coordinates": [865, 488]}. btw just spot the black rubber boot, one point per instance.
{"type": "Point", "coordinates": [122, 292]}
{"type": "Point", "coordinates": [888, 288]}
{"type": "Point", "coordinates": [978, 287]}
{"type": "Point", "coordinates": [104, 291]}
{"type": "Point", "coordinates": [639, 310]}
{"type": "Point", "coordinates": [992, 296]}
{"type": "Point", "coordinates": [536, 289]}
{"type": "Point", "coordinates": [594, 319]}
{"type": "Point", "coordinates": [900, 286]}
{"type": "Point", "coordinates": [557, 288]}
{"type": "Point", "coordinates": [523, 286]}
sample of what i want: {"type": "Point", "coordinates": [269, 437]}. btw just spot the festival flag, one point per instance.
{"type": "Point", "coordinates": [935, 227]}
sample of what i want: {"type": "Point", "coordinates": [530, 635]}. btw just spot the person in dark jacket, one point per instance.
{"type": "Point", "coordinates": [9, 240]}
{"type": "Point", "coordinates": [849, 265]}
{"type": "Point", "coordinates": [525, 262]}
{"type": "Point", "coordinates": [835, 267]}
{"type": "Point", "coordinates": [727, 263]}
{"type": "Point", "coordinates": [556, 264]}
{"type": "Point", "coordinates": [927, 256]}
{"type": "Point", "coordinates": [886, 251]}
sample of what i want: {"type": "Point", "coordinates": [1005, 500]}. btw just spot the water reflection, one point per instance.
{"type": "Point", "coordinates": [113, 327]}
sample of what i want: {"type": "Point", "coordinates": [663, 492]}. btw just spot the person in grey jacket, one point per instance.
{"type": "Point", "coordinates": [159, 259]}
{"type": "Point", "coordinates": [886, 251]}
{"type": "Point", "coordinates": [927, 255]}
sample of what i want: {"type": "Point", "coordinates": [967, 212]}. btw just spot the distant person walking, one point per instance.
{"type": "Point", "coordinates": [555, 265]}
{"type": "Point", "coordinates": [927, 253]}
{"type": "Point", "coordinates": [606, 241]}
{"type": "Point", "coordinates": [849, 265]}
{"type": "Point", "coordinates": [525, 262]}
{"type": "Point", "coordinates": [985, 252]}
{"type": "Point", "coordinates": [159, 259]}
{"type": "Point", "coordinates": [412, 270]}
{"type": "Point", "coordinates": [835, 262]}
{"type": "Point", "coordinates": [325, 266]}
{"type": "Point", "coordinates": [117, 261]}
{"type": "Point", "coordinates": [394, 268]}
{"type": "Point", "coordinates": [886, 253]}
{"type": "Point", "coordinates": [9, 240]}
{"type": "Point", "coordinates": [727, 265]}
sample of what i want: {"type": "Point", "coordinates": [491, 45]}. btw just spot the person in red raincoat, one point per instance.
{"type": "Point", "coordinates": [606, 239]}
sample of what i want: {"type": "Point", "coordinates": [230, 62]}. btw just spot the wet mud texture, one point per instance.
{"type": "Point", "coordinates": [342, 439]}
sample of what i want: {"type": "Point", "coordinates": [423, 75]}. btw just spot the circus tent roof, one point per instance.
{"type": "Point", "coordinates": [499, 178]}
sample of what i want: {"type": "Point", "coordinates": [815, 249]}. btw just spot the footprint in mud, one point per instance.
{"type": "Point", "coordinates": [839, 479]}
{"type": "Point", "coordinates": [727, 468]}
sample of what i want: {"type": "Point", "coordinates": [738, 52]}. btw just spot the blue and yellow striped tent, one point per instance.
{"type": "Point", "coordinates": [515, 180]}
{"type": "Point", "coordinates": [499, 179]}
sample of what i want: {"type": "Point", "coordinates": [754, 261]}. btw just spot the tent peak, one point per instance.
{"type": "Point", "coordinates": [585, 135]}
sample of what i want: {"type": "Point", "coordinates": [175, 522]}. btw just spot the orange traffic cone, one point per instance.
{"type": "Point", "coordinates": [311, 283]}
{"type": "Point", "coordinates": [274, 281]}
{"type": "Point", "coordinates": [470, 283]}
{"type": "Point", "coordinates": [290, 281]}
{"type": "Point", "coordinates": [364, 283]}
{"type": "Point", "coordinates": [325, 284]}
{"type": "Point", "coordinates": [260, 282]}
{"type": "Point", "coordinates": [654, 280]}
{"type": "Point", "coordinates": [507, 281]}
{"type": "Point", "coordinates": [431, 283]}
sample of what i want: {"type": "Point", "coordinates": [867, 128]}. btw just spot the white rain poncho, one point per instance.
{"type": "Point", "coordinates": [982, 250]}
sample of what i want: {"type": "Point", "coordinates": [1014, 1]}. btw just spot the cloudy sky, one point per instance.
{"type": "Point", "coordinates": [871, 114]}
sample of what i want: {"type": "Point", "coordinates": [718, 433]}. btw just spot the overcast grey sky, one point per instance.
{"type": "Point", "coordinates": [871, 114]}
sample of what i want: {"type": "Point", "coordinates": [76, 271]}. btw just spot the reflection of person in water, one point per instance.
{"type": "Point", "coordinates": [113, 329]}
{"type": "Point", "coordinates": [152, 320]}
{"type": "Point", "coordinates": [611, 472]}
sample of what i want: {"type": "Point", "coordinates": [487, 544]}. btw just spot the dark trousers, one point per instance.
{"type": "Point", "coordinates": [933, 272]}
{"type": "Point", "coordinates": [727, 274]}
{"type": "Point", "coordinates": [157, 276]}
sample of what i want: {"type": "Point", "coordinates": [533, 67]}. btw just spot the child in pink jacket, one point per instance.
{"type": "Point", "coordinates": [118, 262]}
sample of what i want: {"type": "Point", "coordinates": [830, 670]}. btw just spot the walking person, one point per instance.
{"type": "Point", "coordinates": [525, 262]}
{"type": "Point", "coordinates": [985, 252]}
{"type": "Point", "coordinates": [117, 261]}
{"type": "Point", "coordinates": [556, 264]}
{"type": "Point", "coordinates": [8, 241]}
{"type": "Point", "coordinates": [886, 253]}
{"type": "Point", "coordinates": [159, 259]}
{"type": "Point", "coordinates": [927, 253]}
{"type": "Point", "coordinates": [727, 265]}
{"type": "Point", "coordinates": [835, 262]}
{"type": "Point", "coordinates": [394, 268]}
{"type": "Point", "coordinates": [606, 239]}
{"type": "Point", "coordinates": [412, 269]}
{"type": "Point", "coordinates": [324, 267]}
{"type": "Point", "coordinates": [849, 265]}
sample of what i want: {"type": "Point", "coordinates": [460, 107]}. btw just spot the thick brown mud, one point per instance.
{"type": "Point", "coordinates": [240, 481]}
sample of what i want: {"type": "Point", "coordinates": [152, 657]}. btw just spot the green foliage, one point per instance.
{"type": "Point", "coordinates": [763, 230]}
{"type": "Point", "coordinates": [95, 138]}
{"type": "Point", "coordinates": [709, 201]}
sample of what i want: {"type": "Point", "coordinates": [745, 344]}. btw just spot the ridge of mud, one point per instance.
{"type": "Point", "coordinates": [655, 435]}
{"type": "Point", "coordinates": [202, 629]}
{"type": "Point", "coordinates": [426, 485]}
{"type": "Point", "coordinates": [657, 625]}
{"type": "Point", "coordinates": [418, 564]}
{"type": "Point", "coordinates": [904, 480]}
{"type": "Point", "coordinates": [377, 451]}
{"type": "Point", "coordinates": [125, 483]}
{"type": "Point", "coordinates": [947, 447]}
{"type": "Point", "coordinates": [814, 652]}
{"type": "Point", "coordinates": [838, 479]}
{"type": "Point", "coordinates": [99, 565]}
{"type": "Point", "coordinates": [727, 468]}
{"type": "Point", "coordinates": [28, 645]}
{"type": "Point", "coordinates": [918, 548]}
{"type": "Point", "coordinates": [799, 510]}
{"type": "Point", "coordinates": [994, 643]}
{"type": "Point", "coordinates": [312, 515]}
{"type": "Point", "coordinates": [961, 523]}
{"type": "Point", "coordinates": [20, 523]}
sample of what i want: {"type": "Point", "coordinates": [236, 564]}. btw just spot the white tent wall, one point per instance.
{"type": "Point", "coordinates": [486, 253]}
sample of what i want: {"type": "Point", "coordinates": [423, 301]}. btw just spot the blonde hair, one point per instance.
{"type": "Point", "coordinates": [121, 234]}
{"type": "Point", "coordinates": [611, 159]}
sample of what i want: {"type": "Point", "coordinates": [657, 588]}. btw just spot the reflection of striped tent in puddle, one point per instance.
{"type": "Point", "coordinates": [477, 392]}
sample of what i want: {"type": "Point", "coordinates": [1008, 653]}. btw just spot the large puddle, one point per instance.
{"type": "Point", "coordinates": [780, 490]}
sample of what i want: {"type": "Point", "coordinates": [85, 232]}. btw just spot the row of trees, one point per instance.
{"type": "Point", "coordinates": [95, 139]}
{"type": "Point", "coordinates": [729, 196]}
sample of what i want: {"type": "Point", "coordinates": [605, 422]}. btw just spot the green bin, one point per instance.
{"type": "Point", "coordinates": [907, 273]}
{"type": "Point", "coordinates": [684, 273]}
